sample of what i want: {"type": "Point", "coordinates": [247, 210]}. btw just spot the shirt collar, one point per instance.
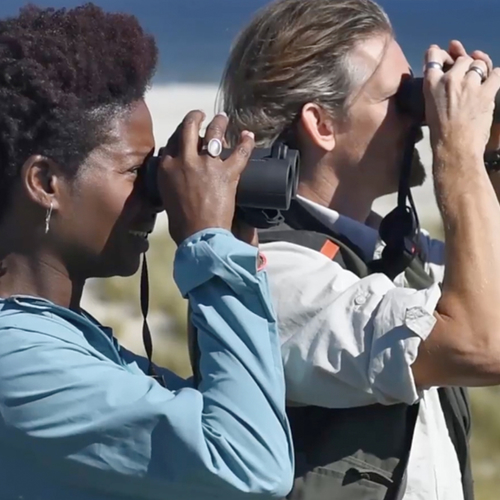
{"type": "Point", "coordinates": [39, 303]}
{"type": "Point", "coordinates": [363, 236]}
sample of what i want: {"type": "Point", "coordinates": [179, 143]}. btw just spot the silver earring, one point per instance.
{"type": "Point", "coordinates": [48, 217]}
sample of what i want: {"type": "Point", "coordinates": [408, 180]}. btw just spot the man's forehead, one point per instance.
{"type": "Point", "coordinates": [380, 56]}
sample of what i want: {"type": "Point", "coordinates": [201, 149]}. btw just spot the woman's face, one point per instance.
{"type": "Point", "coordinates": [103, 216]}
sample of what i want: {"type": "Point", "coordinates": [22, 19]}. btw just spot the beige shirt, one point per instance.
{"type": "Point", "coordinates": [350, 342]}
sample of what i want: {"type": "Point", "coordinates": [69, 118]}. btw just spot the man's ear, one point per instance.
{"type": "Point", "coordinates": [41, 180]}
{"type": "Point", "coordinates": [318, 126]}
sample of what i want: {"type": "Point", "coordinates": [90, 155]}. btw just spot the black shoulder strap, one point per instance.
{"type": "Point", "coordinates": [330, 246]}
{"type": "Point", "coordinates": [302, 228]}
{"type": "Point", "coordinates": [312, 233]}
{"type": "Point", "coordinates": [299, 218]}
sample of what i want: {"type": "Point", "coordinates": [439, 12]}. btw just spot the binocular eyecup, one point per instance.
{"type": "Point", "coordinates": [410, 100]}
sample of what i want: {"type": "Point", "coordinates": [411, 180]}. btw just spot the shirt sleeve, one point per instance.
{"type": "Point", "coordinates": [434, 252]}
{"type": "Point", "coordinates": [103, 425]}
{"type": "Point", "coordinates": [171, 379]}
{"type": "Point", "coordinates": [346, 341]}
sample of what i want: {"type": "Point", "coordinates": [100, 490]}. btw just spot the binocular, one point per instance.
{"type": "Point", "coordinates": [269, 181]}
{"type": "Point", "coordinates": [410, 100]}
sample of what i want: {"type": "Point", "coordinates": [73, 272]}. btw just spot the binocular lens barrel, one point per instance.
{"type": "Point", "coordinates": [269, 182]}
{"type": "Point", "coordinates": [410, 100]}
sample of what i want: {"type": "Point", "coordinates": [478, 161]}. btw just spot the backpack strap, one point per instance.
{"type": "Point", "coordinates": [330, 245]}
{"type": "Point", "coordinates": [299, 217]}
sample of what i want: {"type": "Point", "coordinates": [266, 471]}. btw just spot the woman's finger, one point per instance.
{"type": "Point", "coordinates": [241, 154]}
{"type": "Point", "coordinates": [190, 134]}
{"type": "Point", "coordinates": [216, 130]}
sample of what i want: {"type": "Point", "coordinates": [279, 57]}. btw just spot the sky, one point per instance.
{"type": "Point", "coordinates": [194, 36]}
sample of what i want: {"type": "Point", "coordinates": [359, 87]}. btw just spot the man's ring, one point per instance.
{"type": "Point", "coordinates": [479, 71]}
{"type": "Point", "coordinates": [214, 147]}
{"type": "Point", "coordinates": [433, 65]}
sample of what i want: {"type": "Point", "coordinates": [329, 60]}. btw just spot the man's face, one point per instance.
{"type": "Point", "coordinates": [370, 142]}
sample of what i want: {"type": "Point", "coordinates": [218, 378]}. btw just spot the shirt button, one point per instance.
{"type": "Point", "coordinates": [360, 300]}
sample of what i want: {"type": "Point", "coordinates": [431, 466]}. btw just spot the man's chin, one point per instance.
{"type": "Point", "coordinates": [418, 173]}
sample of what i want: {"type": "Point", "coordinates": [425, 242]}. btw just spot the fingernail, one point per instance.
{"type": "Point", "coordinates": [223, 113]}
{"type": "Point", "coordinates": [249, 134]}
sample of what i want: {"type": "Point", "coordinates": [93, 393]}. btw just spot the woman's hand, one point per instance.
{"type": "Point", "coordinates": [199, 191]}
{"type": "Point", "coordinates": [244, 232]}
{"type": "Point", "coordinates": [459, 105]}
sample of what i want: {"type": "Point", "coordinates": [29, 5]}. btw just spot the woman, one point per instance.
{"type": "Point", "coordinates": [79, 418]}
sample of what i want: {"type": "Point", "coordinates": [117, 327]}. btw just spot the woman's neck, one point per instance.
{"type": "Point", "coordinates": [38, 276]}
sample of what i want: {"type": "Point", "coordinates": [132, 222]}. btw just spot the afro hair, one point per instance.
{"type": "Point", "coordinates": [63, 75]}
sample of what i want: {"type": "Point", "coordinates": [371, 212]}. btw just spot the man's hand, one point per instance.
{"type": "Point", "coordinates": [456, 50]}
{"type": "Point", "coordinates": [459, 105]}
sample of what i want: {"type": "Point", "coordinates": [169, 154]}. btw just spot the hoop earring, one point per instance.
{"type": "Point", "coordinates": [48, 217]}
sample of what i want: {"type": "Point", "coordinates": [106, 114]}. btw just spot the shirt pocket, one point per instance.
{"type": "Point", "coordinates": [347, 479]}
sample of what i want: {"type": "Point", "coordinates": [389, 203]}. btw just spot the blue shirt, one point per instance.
{"type": "Point", "coordinates": [80, 420]}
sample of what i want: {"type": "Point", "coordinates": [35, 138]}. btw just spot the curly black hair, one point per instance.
{"type": "Point", "coordinates": [63, 75]}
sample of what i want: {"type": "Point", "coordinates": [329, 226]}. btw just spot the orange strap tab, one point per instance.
{"type": "Point", "coordinates": [329, 249]}
{"type": "Point", "coordinates": [261, 262]}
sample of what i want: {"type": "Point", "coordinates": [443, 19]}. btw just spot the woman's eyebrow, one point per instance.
{"type": "Point", "coordinates": [137, 153]}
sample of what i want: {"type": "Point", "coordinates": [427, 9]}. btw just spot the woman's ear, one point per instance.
{"type": "Point", "coordinates": [318, 126]}
{"type": "Point", "coordinates": [41, 180]}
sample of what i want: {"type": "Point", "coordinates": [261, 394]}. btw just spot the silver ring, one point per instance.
{"type": "Point", "coordinates": [433, 65]}
{"type": "Point", "coordinates": [479, 71]}
{"type": "Point", "coordinates": [214, 147]}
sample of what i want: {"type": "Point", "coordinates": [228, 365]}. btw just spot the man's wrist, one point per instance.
{"type": "Point", "coordinates": [448, 159]}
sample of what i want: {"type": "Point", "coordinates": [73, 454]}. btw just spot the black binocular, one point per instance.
{"type": "Point", "coordinates": [410, 100]}
{"type": "Point", "coordinates": [268, 183]}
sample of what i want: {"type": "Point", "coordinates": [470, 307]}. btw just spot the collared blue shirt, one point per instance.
{"type": "Point", "coordinates": [80, 420]}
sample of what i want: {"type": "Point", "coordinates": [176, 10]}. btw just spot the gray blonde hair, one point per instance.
{"type": "Point", "coordinates": [294, 52]}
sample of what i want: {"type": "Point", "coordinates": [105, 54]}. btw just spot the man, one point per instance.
{"type": "Point", "coordinates": [364, 357]}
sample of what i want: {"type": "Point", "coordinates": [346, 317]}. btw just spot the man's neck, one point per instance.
{"type": "Point", "coordinates": [345, 198]}
{"type": "Point", "coordinates": [38, 276]}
